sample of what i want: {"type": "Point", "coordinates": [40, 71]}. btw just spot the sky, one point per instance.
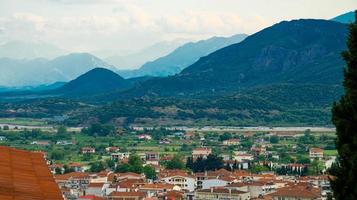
{"type": "Point", "coordinates": [127, 25]}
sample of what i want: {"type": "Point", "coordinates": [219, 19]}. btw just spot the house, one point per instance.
{"type": "Point", "coordinates": [216, 178]}
{"type": "Point", "coordinates": [152, 158]}
{"type": "Point", "coordinates": [231, 142]}
{"type": "Point", "coordinates": [316, 153]}
{"type": "Point", "coordinates": [155, 189]}
{"type": "Point", "coordinates": [53, 168]}
{"type": "Point", "coordinates": [144, 137]}
{"type": "Point", "coordinates": [201, 152]}
{"type": "Point", "coordinates": [2, 138]}
{"type": "Point", "coordinates": [258, 150]}
{"type": "Point", "coordinates": [220, 194]}
{"type": "Point", "coordinates": [25, 175]}
{"type": "Point", "coordinates": [297, 192]}
{"type": "Point", "coordinates": [126, 195]}
{"type": "Point", "coordinates": [76, 181]}
{"type": "Point", "coordinates": [64, 142]}
{"type": "Point", "coordinates": [96, 189]}
{"type": "Point", "coordinates": [91, 197]}
{"type": "Point", "coordinates": [178, 178]}
{"type": "Point", "coordinates": [41, 143]}
{"type": "Point", "coordinates": [255, 188]}
{"type": "Point", "coordinates": [88, 150]}
{"type": "Point", "coordinates": [112, 149]}
{"type": "Point", "coordinates": [119, 156]}
{"type": "Point", "coordinates": [77, 167]}
{"type": "Point", "coordinates": [242, 156]}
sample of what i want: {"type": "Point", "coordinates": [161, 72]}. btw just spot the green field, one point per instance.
{"type": "Point", "coordinates": [330, 152]}
{"type": "Point", "coordinates": [23, 121]}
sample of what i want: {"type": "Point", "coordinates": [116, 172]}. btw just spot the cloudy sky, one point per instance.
{"type": "Point", "coordinates": [90, 25]}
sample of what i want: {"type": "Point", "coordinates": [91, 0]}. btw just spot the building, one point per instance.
{"type": "Point", "coordinates": [126, 196]}
{"type": "Point", "coordinates": [156, 189]}
{"type": "Point", "coordinates": [178, 178]}
{"type": "Point", "coordinates": [201, 152]}
{"type": "Point", "coordinates": [297, 192]}
{"type": "Point", "coordinates": [86, 150]}
{"type": "Point", "coordinates": [77, 167]}
{"type": "Point", "coordinates": [41, 143]}
{"type": "Point", "coordinates": [96, 189]}
{"type": "Point", "coordinates": [152, 158]}
{"type": "Point", "coordinates": [112, 149]}
{"type": "Point", "coordinates": [25, 175]}
{"type": "Point", "coordinates": [221, 194]}
{"type": "Point", "coordinates": [231, 142]}
{"type": "Point", "coordinates": [119, 156]}
{"type": "Point", "coordinates": [316, 153]}
{"type": "Point", "coordinates": [242, 156]}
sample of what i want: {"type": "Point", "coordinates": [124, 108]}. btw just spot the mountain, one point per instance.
{"type": "Point", "coordinates": [136, 59]}
{"type": "Point", "coordinates": [182, 57]}
{"type": "Point", "coordinates": [95, 81]}
{"type": "Point", "coordinates": [345, 18]}
{"type": "Point", "coordinates": [29, 50]}
{"type": "Point", "coordinates": [18, 73]}
{"type": "Point", "coordinates": [305, 51]}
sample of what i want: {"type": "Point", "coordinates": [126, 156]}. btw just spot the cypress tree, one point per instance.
{"type": "Point", "coordinates": [344, 117]}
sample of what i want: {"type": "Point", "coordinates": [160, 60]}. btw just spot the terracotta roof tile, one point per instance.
{"type": "Point", "coordinates": [25, 175]}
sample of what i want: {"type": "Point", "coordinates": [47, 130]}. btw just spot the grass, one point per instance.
{"type": "Point", "coordinates": [330, 152]}
{"type": "Point", "coordinates": [23, 121]}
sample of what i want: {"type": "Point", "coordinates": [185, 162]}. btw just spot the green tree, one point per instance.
{"type": "Point", "coordinates": [97, 167]}
{"type": "Point", "coordinates": [149, 172]}
{"type": "Point", "coordinates": [175, 163]}
{"type": "Point", "coordinates": [344, 117]}
{"type": "Point", "coordinates": [57, 155]}
{"type": "Point", "coordinates": [274, 139]}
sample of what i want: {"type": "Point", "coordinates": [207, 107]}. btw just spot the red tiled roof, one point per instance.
{"type": "Point", "coordinates": [25, 175]}
{"type": "Point", "coordinates": [297, 192]}
{"type": "Point", "coordinates": [73, 175]}
{"type": "Point", "coordinates": [127, 194]}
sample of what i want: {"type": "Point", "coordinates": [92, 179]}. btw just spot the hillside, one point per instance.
{"type": "Point", "coordinates": [345, 18]}
{"type": "Point", "coordinates": [95, 81]}
{"type": "Point", "coordinates": [182, 57]}
{"type": "Point", "coordinates": [297, 52]}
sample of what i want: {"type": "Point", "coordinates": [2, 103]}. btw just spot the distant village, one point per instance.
{"type": "Point", "coordinates": [208, 166]}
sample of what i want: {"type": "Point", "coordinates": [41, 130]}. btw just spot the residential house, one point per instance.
{"type": "Point", "coordinates": [97, 189]}
{"type": "Point", "coordinates": [201, 152]}
{"type": "Point", "coordinates": [127, 196]}
{"type": "Point", "coordinates": [119, 156]}
{"type": "Point", "coordinates": [221, 194]}
{"type": "Point", "coordinates": [231, 142]}
{"type": "Point", "coordinates": [178, 178]}
{"type": "Point", "coordinates": [297, 192]}
{"type": "Point", "coordinates": [316, 153]}
{"type": "Point", "coordinates": [88, 150]}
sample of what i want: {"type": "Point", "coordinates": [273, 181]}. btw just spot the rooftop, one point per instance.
{"type": "Point", "coordinates": [25, 175]}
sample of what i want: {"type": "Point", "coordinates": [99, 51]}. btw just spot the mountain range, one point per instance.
{"type": "Point", "coordinates": [182, 57]}
{"type": "Point", "coordinates": [134, 60]}
{"type": "Point", "coordinates": [29, 50]}
{"type": "Point", "coordinates": [303, 51]}
{"type": "Point", "coordinates": [33, 72]}
{"type": "Point", "coordinates": [345, 18]}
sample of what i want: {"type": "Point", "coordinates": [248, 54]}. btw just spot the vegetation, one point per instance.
{"type": "Point", "coordinates": [344, 182]}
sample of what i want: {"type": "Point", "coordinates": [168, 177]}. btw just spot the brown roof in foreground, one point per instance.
{"type": "Point", "coordinates": [24, 175]}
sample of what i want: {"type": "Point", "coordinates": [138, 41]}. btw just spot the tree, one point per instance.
{"type": "Point", "coordinates": [57, 155]}
{"type": "Point", "coordinates": [344, 117]}
{"type": "Point", "coordinates": [149, 172]}
{"type": "Point", "coordinates": [274, 139]}
{"type": "Point", "coordinates": [97, 167]}
{"type": "Point", "coordinates": [175, 163]}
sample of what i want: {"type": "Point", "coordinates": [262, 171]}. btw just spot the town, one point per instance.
{"type": "Point", "coordinates": [103, 162]}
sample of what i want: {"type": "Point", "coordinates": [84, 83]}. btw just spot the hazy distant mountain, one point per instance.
{"type": "Point", "coordinates": [345, 18]}
{"type": "Point", "coordinates": [182, 57]}
{"type": "Point", "coordinates": [15, 73]}
{"type": "Point", "coordinates": [293, 52]}
{"type": "Point", "coordinates": [28, 50]}
{"type": "Point", "coordinates": [95, 81]}
{"type": "Point", "coordinates": [136, 59]}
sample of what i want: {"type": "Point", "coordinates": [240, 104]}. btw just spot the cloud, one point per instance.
{"type": "Point", "coordinates": [127, 25]}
